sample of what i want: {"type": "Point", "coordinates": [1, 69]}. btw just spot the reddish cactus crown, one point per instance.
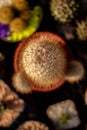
{"type": "Point", "coordinates": [42, 60]}
{"type": "Point", "coordinates": [34, 125]}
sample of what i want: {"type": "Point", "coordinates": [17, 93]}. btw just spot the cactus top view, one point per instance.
{"type": "Point", "coordinates": [63, 10]}
{"type": "Point", "coordinates": [38, 58]}
{"type": "Point", "coordinates": [18, 19]}
{"type": "Point", "coordinates": [42, 61]}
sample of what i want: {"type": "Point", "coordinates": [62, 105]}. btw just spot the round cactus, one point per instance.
{"type": "Point", "coordinates": [6, 14]}
{"type": "Point", "coordinates": [25, 15]}
{"type": "Point", "coordinates": [63, 10]}
{"type": "Point", "coordinates": [17, 25]}
{"type": "Point", "coordinates": [39, 60]}
{"type": "Point", "coordinates": [20, 4]}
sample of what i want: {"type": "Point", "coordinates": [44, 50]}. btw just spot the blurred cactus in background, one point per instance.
{"type": "Point", "coordinates": [68, 31]}
{"type": "Point", "coordinates": [81, 30]}
{"type": "Point", "coordinates": [63, 10]}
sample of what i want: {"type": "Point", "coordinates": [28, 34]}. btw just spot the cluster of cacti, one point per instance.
{"type": "Point", "coordinates": [63, 10]}
{"type": "Point", "coordinates": [47, 69]}
{"type": "Point", "coordinates": [81, 30]}
{"type": "Point", "coordinates": [18, 20]}
{"type": "Point", "coordinates": [8, 15]}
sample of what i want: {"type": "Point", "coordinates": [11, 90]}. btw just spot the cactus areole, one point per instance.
{"type": "Point", "coordinates": [42, 60]}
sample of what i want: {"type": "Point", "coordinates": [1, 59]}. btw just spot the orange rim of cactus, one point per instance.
{"type": "Point", "coordinates": [20, 46]}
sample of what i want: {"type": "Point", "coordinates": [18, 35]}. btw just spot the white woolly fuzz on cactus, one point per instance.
{"type": "Point", "coordinates": [43, 61]}
{"type": "Point", "coordinates": [20, 84]}
{"type": "Point", "coordinates": [75, 71]}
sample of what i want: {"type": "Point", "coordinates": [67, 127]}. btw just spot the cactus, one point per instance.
{"type": "Point", "coordinates": [20, 5]}
{"type": "Point", "coordinates": [34, 125]}
{"type": "Point", "coordinates": [63, 115]}
{"type": "Point", "coordinates": [17, 25]}
{"type": "Point", "coordinates": [75, 71]}
{"type": "Point", "coordinates": [63, 10]}
{"type": "Point", "coordinates": [25, 15]}
{"type": "Point", "coordinates": [10, 105]}
{"type": "Point", "coordinates": [39, 60]}
{"type": "Point", "coordinates": [20, 84]}
{"type": "Point", "coordinates": [6, 14]}
{"type": "Point", "coordinates": [81, 30]}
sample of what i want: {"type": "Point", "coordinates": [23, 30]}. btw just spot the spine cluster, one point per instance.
{"type": "Point", "coordinates": [63, 10]}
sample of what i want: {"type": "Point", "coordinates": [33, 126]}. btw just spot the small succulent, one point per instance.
{"type": "Point", "coordinates": [19, 82]}
{"type": "Point", "coordinates": [63, 114]}
{"type": "Point", "coordinates": [75, 71]}
{"type": "Point", "coordinates": [63, 10]}
{"type": "Point", "coordinates": [17, 25]}
{"type": "Point", "coordinates": [81, 30]}
{"type": "Point", "coordinates": [20, 4]}
{"type": "Point", "coordinates": [6, 14]}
